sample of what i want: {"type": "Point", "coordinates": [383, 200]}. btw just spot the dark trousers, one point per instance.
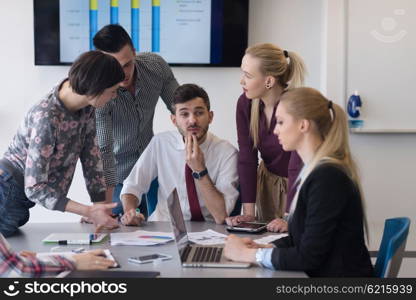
{"type": "Point", "coordinates": [14, 205]}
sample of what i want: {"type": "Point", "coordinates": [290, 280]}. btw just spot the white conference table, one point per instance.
{"type": "Point", "coordinates": [30, 238]}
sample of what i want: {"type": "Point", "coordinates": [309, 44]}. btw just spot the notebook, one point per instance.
{"type": "Point", "coordinates": [75, 238]}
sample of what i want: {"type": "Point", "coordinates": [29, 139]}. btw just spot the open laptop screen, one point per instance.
{"type": "Point", "coordinates": [178, 224]}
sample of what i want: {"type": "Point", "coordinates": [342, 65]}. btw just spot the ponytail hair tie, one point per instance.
{"type": "Point", "coordinates": [331, 110]}
{"type": "Point", "coordinates": [286, 53]}
{"type": "Point", "coordinates": [329, 104]}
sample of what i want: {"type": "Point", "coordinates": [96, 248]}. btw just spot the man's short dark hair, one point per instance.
{"type": "Point", "coordinates": [188, 92]}
{"type": "Point", "coordinates": [93, 72]}
{"type": "Point", "coordinates": [112, 38]}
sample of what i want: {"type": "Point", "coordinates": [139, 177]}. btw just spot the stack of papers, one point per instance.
{"type": "Point", "coordinates": [140, 238]}
{"type": "Point", "coordinates": [207, 237]}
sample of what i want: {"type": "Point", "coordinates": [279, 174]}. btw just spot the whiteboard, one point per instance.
{"type": "Point", "coordinates": [381, 62]}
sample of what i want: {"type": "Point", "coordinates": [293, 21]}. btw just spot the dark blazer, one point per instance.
{"type": "Point", "coordinates": [326, 235]}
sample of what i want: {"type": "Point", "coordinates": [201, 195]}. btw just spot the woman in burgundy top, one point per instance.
{"type": "Point", "coordinates": [268, 71]}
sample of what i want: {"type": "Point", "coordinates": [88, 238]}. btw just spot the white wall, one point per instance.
{"type": "Point", "coordinates": [294, 25]}
{"type": "Point", "coordinates": [386, 161]}
{"type": "Point", "coordinates": [313, 28]}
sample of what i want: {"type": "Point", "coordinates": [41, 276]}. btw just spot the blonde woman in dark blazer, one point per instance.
{"type": "Point", "coordinates": [327, 217]}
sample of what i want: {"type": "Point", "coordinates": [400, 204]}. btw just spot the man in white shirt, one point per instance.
{"type": "Point", "coordinates": [210, 193]}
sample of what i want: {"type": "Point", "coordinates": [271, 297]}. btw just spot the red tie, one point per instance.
{"type": "Point", "coordinates": [196, 214]}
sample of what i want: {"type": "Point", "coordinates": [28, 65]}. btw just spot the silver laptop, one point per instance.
{"type": "Point", "coordinates": [194, 255]}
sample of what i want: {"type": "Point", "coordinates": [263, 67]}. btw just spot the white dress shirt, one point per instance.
{"type": "Point", "coordinates": [164, 158]}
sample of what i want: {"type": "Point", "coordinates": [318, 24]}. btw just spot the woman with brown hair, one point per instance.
{"type": "Point", "coordinates": [39, 164]}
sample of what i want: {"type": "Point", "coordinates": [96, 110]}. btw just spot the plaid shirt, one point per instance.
{"type": "Point", "coordinates": [15, 265]}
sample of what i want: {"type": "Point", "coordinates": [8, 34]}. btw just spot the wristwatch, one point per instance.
{"type": "Point", "coordinates": [199, 175]}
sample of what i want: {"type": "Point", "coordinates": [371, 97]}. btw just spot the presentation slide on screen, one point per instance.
{"type": "Point", "coordinates": [178, 30]}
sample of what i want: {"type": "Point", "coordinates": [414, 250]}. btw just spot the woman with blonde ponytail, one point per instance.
{"type": "Point", "coordinates": [327, 218]}
{"type": "Point", "coordinates": [268, 71]}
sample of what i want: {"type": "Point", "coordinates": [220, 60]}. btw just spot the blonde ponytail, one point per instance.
{"type": "Point", "coordinates": [331, 123]}
{"type": "Point", "coordinates": [296, 71]}
{"type": "Point", "coordinates": [289, 72]}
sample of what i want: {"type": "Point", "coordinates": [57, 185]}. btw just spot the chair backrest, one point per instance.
{"type": "Point", "coordinates": [151, 200]}
{"type": "Point", "coordinates": [151, 196]}
{"type": "Point", "coordinates": [393, 243]}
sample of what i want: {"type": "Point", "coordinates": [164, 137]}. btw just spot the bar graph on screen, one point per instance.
{"type": "Point", "coordinates": [153, 25]}
{"type": "Point", "coordinates": [183, 32]}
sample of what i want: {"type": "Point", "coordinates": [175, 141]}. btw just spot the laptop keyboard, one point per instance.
{"type": "Point", "coordinates": [203, 254]}
{"type": "Point", "coordinates": [207, 254]}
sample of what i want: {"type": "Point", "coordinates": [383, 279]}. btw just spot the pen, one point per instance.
{"type": "Point", "coordinates": [74, 242]}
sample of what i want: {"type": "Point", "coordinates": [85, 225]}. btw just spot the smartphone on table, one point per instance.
{"type": "Point", "coordinates": [248, 227]}
{"type": "Point", "coordinates": [149, 258]}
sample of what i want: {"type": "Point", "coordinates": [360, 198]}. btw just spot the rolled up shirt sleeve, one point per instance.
{"type": "Point", "coordinates": [227, 180]}
{"type": "Point", "coordinates": [143, 172]}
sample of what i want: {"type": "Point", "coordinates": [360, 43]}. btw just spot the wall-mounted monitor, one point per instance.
{"type": "Point", "coordinates": [183, 32]}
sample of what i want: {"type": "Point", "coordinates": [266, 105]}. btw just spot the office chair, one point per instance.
{"type": "Point", "coordinates": [393, 243]}
{"type": "Point", "coordinates": [151, 201]}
